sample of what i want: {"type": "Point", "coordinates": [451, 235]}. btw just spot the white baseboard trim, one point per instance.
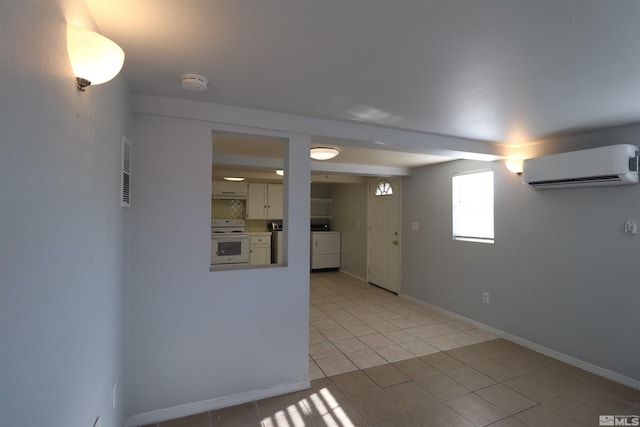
{"type": "Point", "coordinates": [605, 373]}
{"type": "Point", "coordinates": [213, 404]}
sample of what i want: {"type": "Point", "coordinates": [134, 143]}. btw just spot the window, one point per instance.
{"type": "Point", "coordinates": [472, 197]}
{"type": "Point", "coordinates": [384, 188]}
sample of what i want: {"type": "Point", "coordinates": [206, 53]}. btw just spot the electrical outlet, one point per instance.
{"type": "Point", "coordinates": [485, 297]}
{"type": "Point", "coordinates": [631, 227]}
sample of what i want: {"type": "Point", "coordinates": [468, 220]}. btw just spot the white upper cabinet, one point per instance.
{"type": "Point", "coordinates": [265, 201]}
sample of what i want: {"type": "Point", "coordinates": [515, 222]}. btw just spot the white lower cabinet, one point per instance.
{"type": "Point", "coordinates": [325, 249]}
{"type": "Point", "coordinates": [259, 248]}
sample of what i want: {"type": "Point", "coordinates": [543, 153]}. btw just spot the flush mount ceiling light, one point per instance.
{"type": "Point", "coordinates": [233, 178]}
{"type": "Point", "coordinates": [194, 82]}
{"type": "Point", "coordinates": [323, 153]}
{"type": "Point", "coordinates": [94, 58]}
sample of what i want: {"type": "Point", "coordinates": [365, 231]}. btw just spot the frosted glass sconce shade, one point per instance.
{"type": "Point", "coordinates": [514, 165]}
{"type": "Point", "coordinates": [94, 58]}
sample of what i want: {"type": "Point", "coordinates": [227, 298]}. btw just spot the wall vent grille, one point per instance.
{"type": "Point", "coordinates": [125, 182]}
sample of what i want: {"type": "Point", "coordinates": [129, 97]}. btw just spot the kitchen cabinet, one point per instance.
{"type": "Point", "coordinates": [325, 249]}
{"type": "Point", "coordinates": [265, 201]}
{"type": "Point", "coordinates": [259, 248]}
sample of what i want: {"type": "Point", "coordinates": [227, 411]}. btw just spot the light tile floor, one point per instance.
{"type": "Point", "coordinates": [379, 360]}
{"type": "Point", "coordinates": [354, 325]}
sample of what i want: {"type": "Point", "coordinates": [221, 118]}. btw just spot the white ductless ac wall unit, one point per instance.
{"type": "Point", "coordinates": [610, 165]}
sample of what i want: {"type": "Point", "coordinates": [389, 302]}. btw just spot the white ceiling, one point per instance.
{"type": "Point", "coordinates": [501, 71]}
{"type": "Point", "coordinates": [230, 144]}
{"type": "Point", "coordinates": [236, 154]}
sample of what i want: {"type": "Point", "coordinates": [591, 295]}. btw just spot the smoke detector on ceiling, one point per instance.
{"type": "Point", "coordinates": [194, 82]}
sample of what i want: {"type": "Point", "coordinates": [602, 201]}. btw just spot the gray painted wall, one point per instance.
{"type": "Point", "coordinates": [63, 236]}
{"type": "Point", "coordinates": [197, 335]}
{"type": "Point", "coordinates": [349, 211]}
{"type": "Point", "coordinates": [561, 274]}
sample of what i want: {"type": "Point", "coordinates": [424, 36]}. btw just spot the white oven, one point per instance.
{"type": "Point", "coordinates": [230, 248]}
{"type": "Point", "coordinates": [229, 242]}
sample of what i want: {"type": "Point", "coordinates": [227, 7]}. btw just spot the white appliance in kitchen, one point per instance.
{"type": "Point", "coordinates": [229, 242]}
{"type": "Point", "coordinates": [325, 249]}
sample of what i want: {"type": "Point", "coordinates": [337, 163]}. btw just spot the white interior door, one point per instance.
{"type": "Point", "coordinates": [384, 233]}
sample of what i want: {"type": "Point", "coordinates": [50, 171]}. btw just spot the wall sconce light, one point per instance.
{"type": "Point", "coordinates": [94, 58]}
{"type": "Point", "coordinates": [514, 165]}
{"type": "Point", "coordinates": [323, 153]}
{"type": "Point", "coordinates": [233, 178]}
{"type": "Point", "coordinates": [280, 172]}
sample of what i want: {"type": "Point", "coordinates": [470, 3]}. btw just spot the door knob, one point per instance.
{"type": "Point", "coordinates": [395, 242]}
